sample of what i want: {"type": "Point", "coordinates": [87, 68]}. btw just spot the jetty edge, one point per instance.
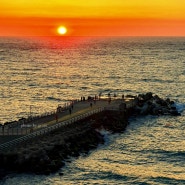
{"type": "Point", "coordinates": [47, 153]}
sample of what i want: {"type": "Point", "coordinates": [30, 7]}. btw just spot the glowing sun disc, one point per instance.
{"type": "Point", "coordinates": [62, 30]}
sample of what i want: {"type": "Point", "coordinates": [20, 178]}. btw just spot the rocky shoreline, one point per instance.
{"type": "Point", "coordinates": [47, 154]}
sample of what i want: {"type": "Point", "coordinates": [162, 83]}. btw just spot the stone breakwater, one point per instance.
{"type": "Point", "coordinates": [154, 105]}
{"type": "Point", "coordinates": [48, 153]}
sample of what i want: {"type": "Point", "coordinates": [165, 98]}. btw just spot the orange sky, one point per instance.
{"type": "Point", "coordinates": [92, 17]}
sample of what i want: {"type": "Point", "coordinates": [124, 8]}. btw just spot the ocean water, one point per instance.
{"type": "Point", "coordinates": [37, 74]}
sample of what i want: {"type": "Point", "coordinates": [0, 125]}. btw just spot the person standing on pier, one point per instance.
{"type": "Point", "coordinates": [70, 111]}
{"type": "Point", "coordinates": [3, 129]}
{"type": "Point", "coordinates": [123, 96]}
{"type": "Point", "coordinates": [56, 117]}
{"type": "Point", "coordinates": [72, 106]}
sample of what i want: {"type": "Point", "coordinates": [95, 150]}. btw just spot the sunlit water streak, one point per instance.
{"type": "Point", "coordinates": [47, 73]}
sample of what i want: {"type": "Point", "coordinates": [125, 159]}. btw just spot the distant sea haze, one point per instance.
{"type": "Point", "coordinates": [39, 74]}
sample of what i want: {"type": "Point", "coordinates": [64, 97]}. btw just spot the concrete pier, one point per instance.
{"type": "Point", "coordinates": [43, 148]}
{"type": "Point", "coordinates": [15, 130]}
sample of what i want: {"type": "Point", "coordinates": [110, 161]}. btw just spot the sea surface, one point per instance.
{"type": "Point", "coordinates": [38, 74]}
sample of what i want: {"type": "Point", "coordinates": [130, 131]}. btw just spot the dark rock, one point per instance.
{"type": "Point", "coordinates": [154, 105]}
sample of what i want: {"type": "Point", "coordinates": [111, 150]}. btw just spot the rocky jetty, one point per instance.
{"type": "Point", "coordinates": [48, 153]}
{"type": "Point", "coordinates": [154, 105]}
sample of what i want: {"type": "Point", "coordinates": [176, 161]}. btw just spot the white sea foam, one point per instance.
{"type": "Point", "coordinates": [180, 107]}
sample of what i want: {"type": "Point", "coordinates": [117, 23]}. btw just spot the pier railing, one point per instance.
{"type": "Point", "coordinates": [48, 129]}
{"type": "Point", "coordinates": [12, 128]}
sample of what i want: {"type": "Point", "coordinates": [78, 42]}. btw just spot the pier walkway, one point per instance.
{"type": "Point", "coordinates": [12, 135]}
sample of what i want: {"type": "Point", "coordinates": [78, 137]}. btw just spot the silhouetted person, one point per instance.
{"type": "Point", "coordinates": [3, 129]}
{"type": "Point", "coordinates": [56, 117]}
{"type": "Point", "coordinates": [70, 111]}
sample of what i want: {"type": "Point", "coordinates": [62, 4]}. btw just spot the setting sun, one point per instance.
{"type": "Point", "coordinates": [62, 30]}
{"type": "Point", "coordinates": [95, 18]}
